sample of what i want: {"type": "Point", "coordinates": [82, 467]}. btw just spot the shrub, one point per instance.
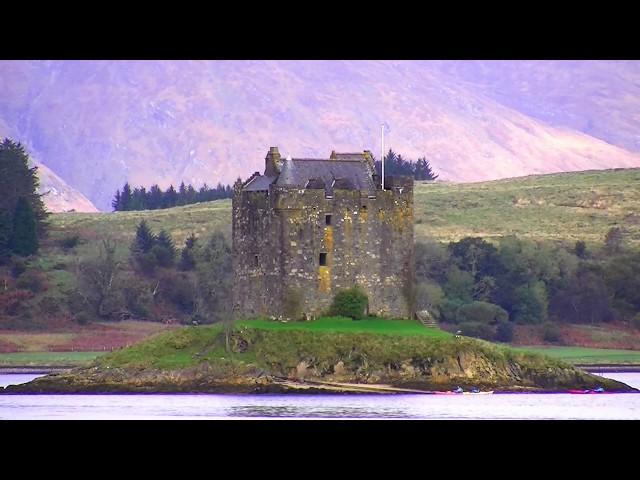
{"type": "Point", "coordinates": [18, 266]}
{"type": "Point", "coordinates": [477, 330]}
{"type": "Point", "coordinates": [551, 333]}
{"type": "Point", "coordinates": [504, 332]}
{"type": "Point", "coordinates": [351, 303]}
{"type": "Point", "coordinates": [13, 302]}
{"type": "Point", "coordinates": [50, 306]}
{"type": "Point", "coordinates": [70, 241]}
{"type": "Point", "coordinates": [448, 310]}
{"type": "Point", "coordinates": [482, 312]}
{"type": "Point", "coordinates": [180, 290]}
{"type": "Point", "coordinates": [32, 280]}
{"type": "Point", "coordinates": [82, 318]}
{"type": "Point", "coordinates": [580, 249]}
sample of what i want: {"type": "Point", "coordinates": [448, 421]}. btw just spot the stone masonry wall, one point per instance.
{"type": "Point", "coordinates": [369, 243]}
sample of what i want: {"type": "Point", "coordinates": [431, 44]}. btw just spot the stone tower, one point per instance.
{"type": "Point", "coordinates": [308, 228]}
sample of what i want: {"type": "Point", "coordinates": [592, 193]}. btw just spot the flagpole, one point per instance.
{"type": "Point", "coordinates": [382, 153]}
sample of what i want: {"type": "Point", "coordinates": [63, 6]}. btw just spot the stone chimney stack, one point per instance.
{"type": "Point", "coordinates": [272, 162]}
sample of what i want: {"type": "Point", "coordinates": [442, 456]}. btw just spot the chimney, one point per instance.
{"type": "Point", "coordinates": [272, 163]}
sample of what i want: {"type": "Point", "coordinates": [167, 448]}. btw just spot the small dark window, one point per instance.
{"type": "Point", "coordinates": [256, 262]}
{"type": "Point", "coordinates": [323, 259]}
{"type": "Point", "coordinates": [364, 207]}
{"type": "Point", "coordinates": [327, 219]}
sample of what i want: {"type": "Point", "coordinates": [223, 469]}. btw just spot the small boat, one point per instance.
{"type": "Point", "coordinates": [478, 393]}
{"type": "Point", "coordinates": [583, 392]}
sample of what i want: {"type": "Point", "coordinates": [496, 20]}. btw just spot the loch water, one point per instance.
{"type": "Point", "coordinates": [205, 406]}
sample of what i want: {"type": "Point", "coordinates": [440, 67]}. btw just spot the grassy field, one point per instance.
{"type": "Point", "coordinates": [582, 355]}
{"type": "Point", "coordinates": [346, 325]}
{"type": "Point", "coordinates": [49, 359]}
{"type": "Point", "coordinates": [564, 206]}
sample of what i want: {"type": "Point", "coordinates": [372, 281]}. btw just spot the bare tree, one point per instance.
{"type": "Point", "coordinates": [98, 278]}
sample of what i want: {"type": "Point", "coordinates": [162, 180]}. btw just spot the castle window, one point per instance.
{"type": "Point", "coordinates": [323, 259]}
{"type": "Point", "coordinates": [256, 262]}
{"type": "Point", "coordinates": [364, 207]}
{"type": "Point", "coordinates": [327, 219]}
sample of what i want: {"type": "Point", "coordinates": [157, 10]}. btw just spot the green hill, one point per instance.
{"type": "Point", "coordinates": [302, 356]}
{"type": "Point", "coordinates": [563, 206]}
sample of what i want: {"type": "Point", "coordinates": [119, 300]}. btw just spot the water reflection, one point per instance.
{"type": "Point", "coordinates": [287, 411]}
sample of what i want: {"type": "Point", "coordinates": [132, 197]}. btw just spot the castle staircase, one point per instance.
{"type": "Point", "coordinates": [426, 319]}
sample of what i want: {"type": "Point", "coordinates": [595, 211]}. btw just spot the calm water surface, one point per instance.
{"type": "Point", "coordinates": [506, 406]}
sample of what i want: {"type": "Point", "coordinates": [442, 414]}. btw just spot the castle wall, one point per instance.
{"type": "Point", "coordinates": [369, 243]}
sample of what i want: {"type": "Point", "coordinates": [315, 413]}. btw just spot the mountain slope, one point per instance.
{"type": "Point", "coordinates": [98, 124]}
{"type": "Point", "coordinates": [599, 98]}
{"type": "Point", "coordinates": [60, 197]}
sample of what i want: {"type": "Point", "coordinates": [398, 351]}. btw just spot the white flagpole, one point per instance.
{"type": "Point", "coordinates": [382, 153]}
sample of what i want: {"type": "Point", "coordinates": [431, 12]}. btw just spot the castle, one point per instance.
{"type": "Point", "coordinates": [308, 228]}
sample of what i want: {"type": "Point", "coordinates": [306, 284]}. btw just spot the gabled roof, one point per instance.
{"type": "Point", "coordinates": [344, 170]}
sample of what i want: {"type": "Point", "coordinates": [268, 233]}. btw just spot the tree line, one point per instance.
{"type": "Point", "coordinates": [155, 198]}
{"type": "Point", "coordinates": [22, 211]}
{"type": "Point", "coordinates": [487, 287]}
{"type": "Point", "coordinates": [395, 164]}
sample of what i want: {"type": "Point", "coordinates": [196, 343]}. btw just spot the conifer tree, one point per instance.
{"type": "Point", "coordinates": [19, 180]}
{"type": "Point", "coordinates": [115, 203]}
{"type": "Point", "coordinates": [155, 197]}
{"type": "Point", "coordinates": [145, 239]}
{"type": "Point", "coordinates": [187, 259]}
{"type": "Point", "coordinates": [165, 249]}
{"type": "Point", "coordinates": [24, 237]}
{"type": "Point", "coordinates": [182, 194]}
{"type": "Point", "coordinates": [125, 198]}
{"type": "Point", "coordinates": [170, 197]}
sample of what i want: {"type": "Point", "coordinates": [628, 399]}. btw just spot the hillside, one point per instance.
{"type": "Point", "coordinates": [274, 359]}
{"type": "Point", "coordinates": [599, 98]}
{"type": "Point", "coordinates": [568, 206]}
{"type": "Point", "coordinates": [97, 124]}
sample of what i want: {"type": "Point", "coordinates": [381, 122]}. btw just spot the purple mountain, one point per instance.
{"type": "Point", "coordinates": [97, 124]}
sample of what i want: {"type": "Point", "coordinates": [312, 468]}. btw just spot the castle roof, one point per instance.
{"type": "Point", "coordinates": [352, 171]}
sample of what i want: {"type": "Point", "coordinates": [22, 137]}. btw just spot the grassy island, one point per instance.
{"type": "Point", "coordinates": [327, 355]}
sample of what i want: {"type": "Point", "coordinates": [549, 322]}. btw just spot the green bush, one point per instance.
{"type": "Point", "coordinates": [82, 318]}
{"type": "Point", "coordinates": [18, 266]}
{"type": "Point", "coordinates": [32, 280]}
{"type": "Point", "coordinates": [70, 241]}
{"type": "Point", "coordinates": [551, 333]}
{"type": "Point", "coordinates": [482, 312]}
{"type": "Point", "coordinates": [504, 331]}
{"type": "Point", "coordinates": [180, 290]}
{"type": "Point", "coordinates": [351, 303]}
{"type": "Point", "coordinates": [477, 330]}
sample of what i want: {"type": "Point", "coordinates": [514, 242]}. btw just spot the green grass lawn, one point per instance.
{"type": "Point", "coordinates": [49, 359]}
{"type": "Point", "coordinates": [347, 325]}
{"type": "Point", "coordinates": [582, 355]}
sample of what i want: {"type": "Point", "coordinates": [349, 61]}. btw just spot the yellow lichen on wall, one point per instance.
{"type": "Point", "coordinates": [364, 215]}
{"type": "Point", "coordinates": [328, 238]}
{"type": "Point", "coordinates": [324, 279]}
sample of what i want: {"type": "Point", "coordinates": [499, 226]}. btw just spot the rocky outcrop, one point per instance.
{"type": "Point", "coordinates": [309, 362]}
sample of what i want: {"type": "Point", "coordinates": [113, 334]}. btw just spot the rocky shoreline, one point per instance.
{"type": "Point", "coordinates": [194, 361]}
